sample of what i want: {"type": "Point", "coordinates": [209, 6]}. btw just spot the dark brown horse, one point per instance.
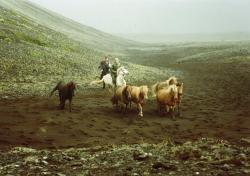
{"type": "Point", "coordinates": [66, 92]}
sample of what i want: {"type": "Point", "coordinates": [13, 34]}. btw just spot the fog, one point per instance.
{"type": "Point", "coordinates": [156, 16]}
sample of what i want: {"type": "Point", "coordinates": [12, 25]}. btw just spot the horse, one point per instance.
{"type": "Point", "coordinates": [160, 85]}
{"type": "Point", "coordinates": [167, 98]}
{"type": "Point", "coordinates": [138, 96]}
{"type": "Point", "coordinates": [107, 79]}
{"type": "Point", "coordinates": [128, 94]}
{"type": "Point", "coordinates": [121, 72]}
{"type": "Point", "coordinates": [66, 92]}
{"type": "Point", "coordinates": [122, 94]}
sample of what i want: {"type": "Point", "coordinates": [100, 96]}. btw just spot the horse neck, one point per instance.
{"type": "Point", "coordinates": [142, 92]}
{"type": "Point", "coordinates": [120, 80]}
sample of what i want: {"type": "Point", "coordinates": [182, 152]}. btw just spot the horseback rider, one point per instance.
{"type": "Point", "coordinates": [114, 68]}
{"type": "Point", "coordinates": [105, 67]}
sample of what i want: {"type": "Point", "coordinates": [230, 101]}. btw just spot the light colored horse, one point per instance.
{"type": "Point", "coordinates": [121, 97]}
{"type": "Point", "coordinates": [121, 72]}
{"type": "Point", "coordinates": [107, 79]}
{"type": "Point", "coordinates": [127, 94]}
{"type": "Point", "coordinates": [138, 96]}
{"type": "Point", "coordinates": [167, 98]}
{"type": "Point", "coordinates": [160, 85]}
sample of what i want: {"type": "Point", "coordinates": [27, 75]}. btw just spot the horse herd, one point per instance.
{"type": "Point", "coordinates": [168, 93]}
{"type": "Point", "coordinates": [168, 96]}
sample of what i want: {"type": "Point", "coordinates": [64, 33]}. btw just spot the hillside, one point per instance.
{"type": "Point", "coordinates": [86, 35]}
{"type": "Point", "coordinates": [34, 57]}
{"type": "Point", "coordinates": [190, 52]}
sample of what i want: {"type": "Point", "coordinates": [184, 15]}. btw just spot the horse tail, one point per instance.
{"type": "Point", "coordinates": [155, 89]}
{"type": "Point", "coordinates": [56, 88]}
{"type": "Point", "coordinates": [97, 82]}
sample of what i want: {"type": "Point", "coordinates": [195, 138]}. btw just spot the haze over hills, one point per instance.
{"type": "Point", "coordinates": [199, 37]}
{"type": "Point", "coordinates": [88, 36]}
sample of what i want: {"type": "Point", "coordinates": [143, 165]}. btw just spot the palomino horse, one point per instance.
{"type": "Point", "coordinates": [107, 79]}
{"type": "Point", "coordinates": [167, 98]}
{"type": "Point", "coordinates": [164, 84]}
{"type": "Point", "coordinates": [128, 94]}
{"type": "Point", "coordinates": [138, 96]}
{"type": "Point", "coordinates": [122, 95]}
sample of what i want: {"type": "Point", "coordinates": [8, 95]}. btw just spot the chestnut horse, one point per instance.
{"type": "Point", "coordinates": [160, 85]}
{"type": "Point", "coordinates": [66, 92]}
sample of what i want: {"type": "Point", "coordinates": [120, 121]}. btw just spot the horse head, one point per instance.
{"type": "Point", "coordinates": [71, 87]}
{"type": "Point", "coordinates": [122, 71]}
{"type": "Point", "coordinates": [174, 92]}
{"type": "Point", "coordinates": [180, 90]}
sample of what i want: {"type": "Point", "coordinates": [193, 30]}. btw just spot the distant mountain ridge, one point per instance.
{"type": "Point", "coordinates": [88, 36]}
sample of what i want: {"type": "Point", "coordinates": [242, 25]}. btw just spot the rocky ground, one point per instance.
{"type": "Point", "coordinates": [202, 157]}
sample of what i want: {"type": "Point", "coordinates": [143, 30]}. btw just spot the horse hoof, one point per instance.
{"type": "Point", "coordinates": [140, 115]}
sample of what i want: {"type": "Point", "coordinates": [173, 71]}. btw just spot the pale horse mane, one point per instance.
{"type": "Point", "coordinates": [172, 80]}
{"type": "Point", "coordinates": [165, 84]}
{"type": "Point", "coordinates": [144, 91]}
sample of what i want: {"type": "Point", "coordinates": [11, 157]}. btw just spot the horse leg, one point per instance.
{"type": "Point", "coordinates": [120, 108]}
{"type": "Point", "coordinates": [166, 110]}
{"type": "Point", "coordinates": [62, 103]}
{"type": "Point", "coordinates": [111, 89]}
{"type": "Point", "coordinates": [171, 111]}
{"type": "Point", "coordinates": [159, 108]}
{"type": "Point", "coordinates": [178, 110]}
{"type": "Point", "coordinates": [126, 108]}
{"type": "Point", "coordinates": [70, 105]}
{"type": "Point", "coordinates": [140, 110]}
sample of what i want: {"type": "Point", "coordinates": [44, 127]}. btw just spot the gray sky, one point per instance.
{"type": "Point", "coordinates": [156, 16]}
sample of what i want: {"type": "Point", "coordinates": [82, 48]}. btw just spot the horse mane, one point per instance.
{"type": "Point", "coordinates": [126, 92]}
{"type": "Point", "coordinates": [118, 69]}
{"type": "Point", "coordinates": [172, 80]}
{"type": "Point", "coordinates": [155, 88]}
{"type": "Point", "coordinates": [143, 91]}
{"type": "Point", "coordinates": [159, 85]}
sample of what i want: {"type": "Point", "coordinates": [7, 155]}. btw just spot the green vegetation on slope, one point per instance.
{"type": "Point", "coordinates": [88, 36]}
{"type": "Point", "coordinates": [32, 53]}
{"type": "Point", "coordinates": [213, 52]}
{"type": "Point", "coordinates": [34, 57]}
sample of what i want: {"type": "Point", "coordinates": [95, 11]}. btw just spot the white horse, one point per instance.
{"type": "Point", "coordinates": [121, 72]}
{"type": "Point", "coordinates": [107, 79]}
